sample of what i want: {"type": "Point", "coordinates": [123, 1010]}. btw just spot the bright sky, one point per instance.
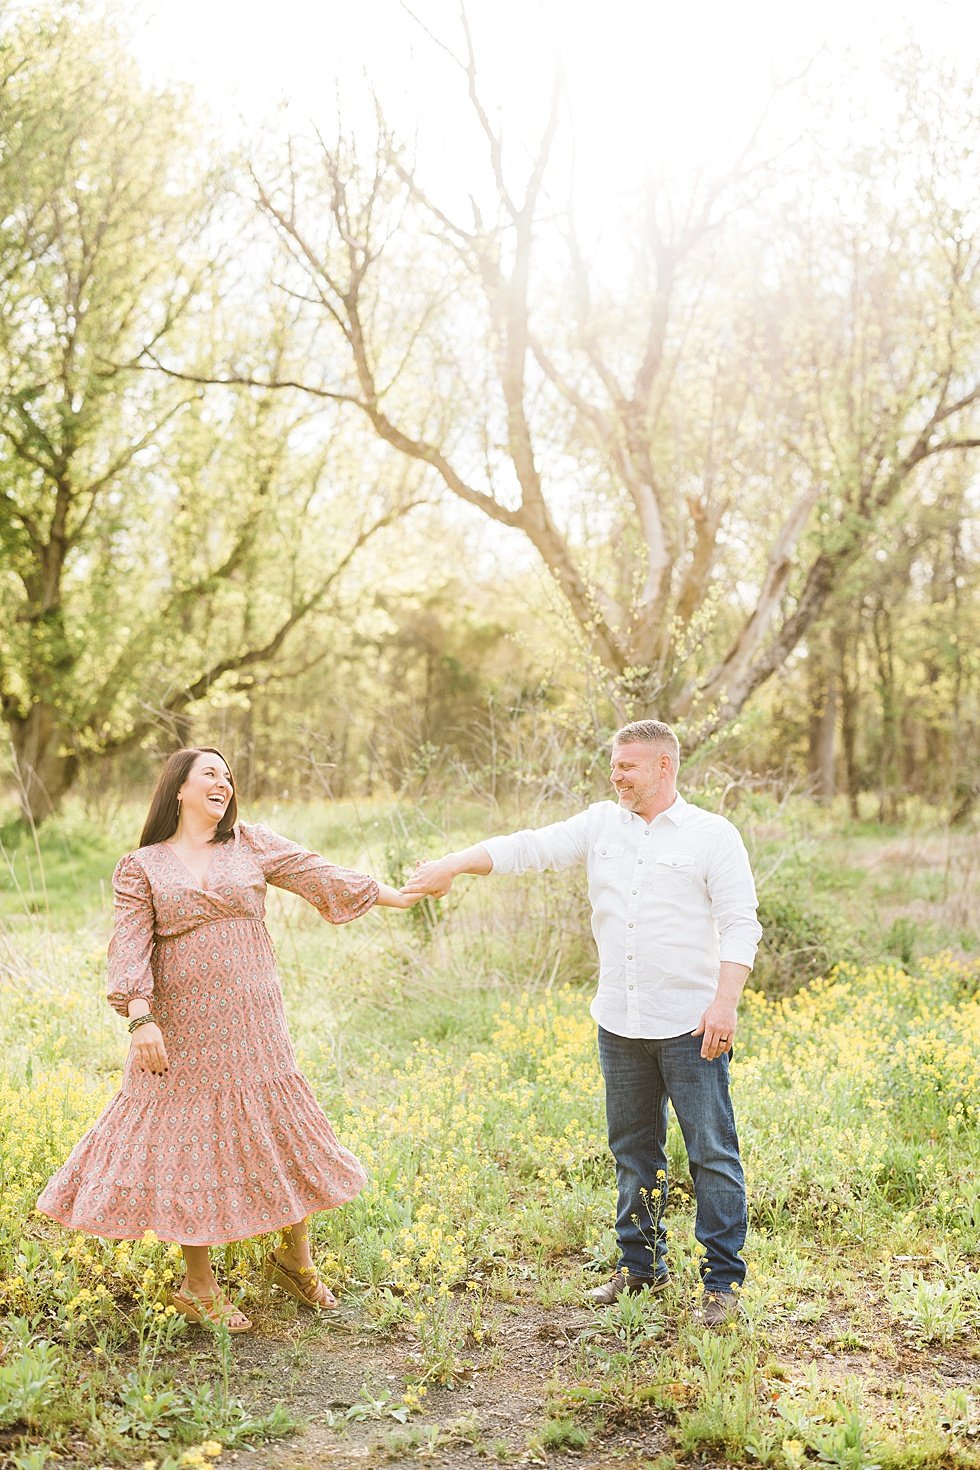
{"type": "Point", "coordinates": [650, 83]}
{"type": "Point", "coordinates": [647, 79]}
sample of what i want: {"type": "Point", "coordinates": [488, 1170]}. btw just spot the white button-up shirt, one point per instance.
{"type": "Point", "coordinates": [670, 898]}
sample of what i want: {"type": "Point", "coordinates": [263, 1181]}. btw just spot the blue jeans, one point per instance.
{"type": "Point", "coordinates": [640, 1076]}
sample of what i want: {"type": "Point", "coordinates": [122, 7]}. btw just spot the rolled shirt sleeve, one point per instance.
{"type": "Point", "coordinates": [131, 944]}
{"type": "Point", "coordinates": [534, 850]}
{"type": "Point", "coordinates": [671, 900]}
{"type": "Point", "coordinates": [338, 894]}
{"type": "Point", "coordinates": [732, 895]}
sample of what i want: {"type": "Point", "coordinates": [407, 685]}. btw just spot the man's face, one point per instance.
{"type": "Point", "coordinates": [637, 773]}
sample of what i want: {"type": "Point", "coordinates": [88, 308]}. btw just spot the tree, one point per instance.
{"type": "Point", "coordinates": [730, 422]}
{"type": "Point", "coordinates": [882, 695]}
{"type": "Point", "coordinates": [132, 512]}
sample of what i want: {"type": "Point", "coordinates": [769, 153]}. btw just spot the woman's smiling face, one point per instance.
{"type": "Point", "coordinates": [208, 788]}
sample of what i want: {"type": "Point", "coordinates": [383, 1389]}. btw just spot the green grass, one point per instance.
{"type": "Point", "coordinates": [457, 1059]}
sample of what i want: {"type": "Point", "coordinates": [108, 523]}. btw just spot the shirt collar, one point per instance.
{"type": "Point", "coordinates": [676, 813]}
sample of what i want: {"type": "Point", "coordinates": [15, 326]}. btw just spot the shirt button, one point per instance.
{"type": "Point", "coordinates": [634, 892]}
{"type": "Point", "coordinates": [629, 957]}
{"type": "Point", "coordinates": [632, 987]}
{"type": "Point", "coordinates": [629, 925]}
{"type": "Point", "coordinates": [639, 862]}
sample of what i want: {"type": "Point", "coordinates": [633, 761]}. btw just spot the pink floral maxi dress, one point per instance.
{"type": "Point", "coordinates": [229, 1142]}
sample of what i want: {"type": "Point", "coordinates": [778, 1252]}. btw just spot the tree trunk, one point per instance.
{"type": "Point", "coordinates": [45, 769]}
{"type": "Point", "coordinates": [822, 725]}
{"type": "Point", "coordinates": [889, 806]}
{"type": "Point", "coordinates": [848, 720]}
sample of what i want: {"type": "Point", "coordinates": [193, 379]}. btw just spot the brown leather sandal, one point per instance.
{"type": "Point", "coordinates": [217, 1310]}
{"type": "Point", "coordinates": [303, 1285]}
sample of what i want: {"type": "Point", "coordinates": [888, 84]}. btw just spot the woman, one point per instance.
{"type": "Point", "coordinates": [214, 1135]}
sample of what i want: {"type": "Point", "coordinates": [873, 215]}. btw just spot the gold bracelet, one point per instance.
{"type": "Point", "coordinates": [138, 1021]}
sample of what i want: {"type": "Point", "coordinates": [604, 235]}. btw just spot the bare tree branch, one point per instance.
{"type": "Point", "coordinates": [191, 693]}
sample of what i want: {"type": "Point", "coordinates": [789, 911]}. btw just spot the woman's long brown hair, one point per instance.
{"type": "Point", "coordinates": [164, 814]}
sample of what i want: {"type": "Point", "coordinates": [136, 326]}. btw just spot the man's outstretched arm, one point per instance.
{"type": "Point", "coordinates": [435, 878]}
{"type": "Point", "coordinates": [532, 850]}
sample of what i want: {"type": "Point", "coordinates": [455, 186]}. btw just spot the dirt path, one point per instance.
{"type": "Point", "coordinates": [494, 1413]}
{"type": "Point", "coordinates": [499, 1410]}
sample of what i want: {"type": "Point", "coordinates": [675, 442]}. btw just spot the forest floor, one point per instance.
{"type": "Point", "coordinates": [508, 1407]}
{"type": "Point", "coordinates": [457, 1067]}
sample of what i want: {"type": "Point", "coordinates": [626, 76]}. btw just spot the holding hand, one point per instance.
{"type": "Point", "coordinates": [396, 898]}
{"type": "Point", "coordinates": [431, 879]}
{"type": "Point", "coordinates": [404, 900]}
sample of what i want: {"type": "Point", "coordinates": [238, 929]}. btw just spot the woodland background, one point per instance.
{"type": "Point", "coordinates": [406, 487]}
{"type": "Point", "coordinates": [372, 483]}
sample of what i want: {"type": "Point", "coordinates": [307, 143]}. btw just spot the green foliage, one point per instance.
{"type": "Point", "coordinates": [937, 1310]}
{"type": "Point", "coordinates": [103, 201]}
{"type": "Point", "coordinates": [30, 1378]}
{"type": "Point", "coordinates": [729, 1416]}
{"type": "Point", "coordinates": [563, 1433]}
{"type": "Point", "coordinates": [806, 926]}
{"type": "Point", "coordinates": [155, 547]}
{"type": "Point", "coordinates": [476, 1102]}
{"type": "Point", "coordinates": [190, 552]}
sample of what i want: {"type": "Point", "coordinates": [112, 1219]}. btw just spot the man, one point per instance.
{"type": "Point", "coordinates": [674, 918]}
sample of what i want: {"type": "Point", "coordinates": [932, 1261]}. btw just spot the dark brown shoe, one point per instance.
{"type": "Point", "coordinates": [719, 1307]}
{"type": "Point", "coordinates": [612, 1290]}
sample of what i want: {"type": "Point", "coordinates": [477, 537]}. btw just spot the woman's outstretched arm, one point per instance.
{"type": "Point", "coordinates": [394, 898]}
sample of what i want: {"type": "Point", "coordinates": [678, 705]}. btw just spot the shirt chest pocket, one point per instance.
{"type": "Point", "coordinates": [606, 857]}
{"type": "Point", "coordinates": [679, 870]}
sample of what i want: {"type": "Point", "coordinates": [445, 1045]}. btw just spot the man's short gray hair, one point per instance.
{"type": "Point", "coordinates": [652, 732]}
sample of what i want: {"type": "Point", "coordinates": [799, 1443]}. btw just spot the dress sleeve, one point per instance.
{"type": "Point", "coordinates": [131, 944]}
{"type": "Point", "coordinates": [339, 894]}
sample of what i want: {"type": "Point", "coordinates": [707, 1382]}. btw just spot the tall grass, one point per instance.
{"type": "Point", "coordinates": [455, 1054]}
